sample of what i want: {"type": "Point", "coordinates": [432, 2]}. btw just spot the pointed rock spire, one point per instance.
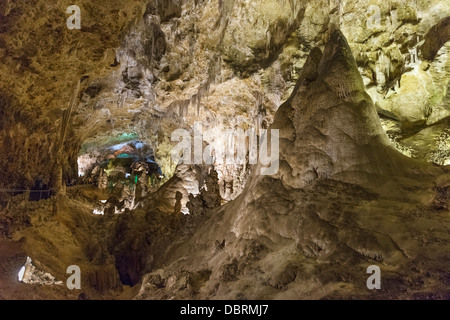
{"type": "Point", "coordinates": [334, 130]}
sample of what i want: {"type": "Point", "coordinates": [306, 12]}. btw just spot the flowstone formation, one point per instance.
{"type": "Point", "coordinates": [343, 200]}
{"type": "Point", "coordinates": [90, 117]}
{"type": "Point", "coordinates": [151, 67]}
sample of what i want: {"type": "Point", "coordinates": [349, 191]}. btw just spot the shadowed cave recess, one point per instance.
{"type": "Point", "coordinates": [335, 115]}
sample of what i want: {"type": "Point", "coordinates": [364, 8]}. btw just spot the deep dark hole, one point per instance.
{"type": "Point", "coordinates": [128, 266]}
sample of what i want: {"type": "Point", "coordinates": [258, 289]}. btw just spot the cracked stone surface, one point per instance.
{"type": "Point", "coordinates": [357, 89]}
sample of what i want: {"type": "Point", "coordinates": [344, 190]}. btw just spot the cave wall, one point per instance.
{"type": "Point", "coordinates": [42, 60]}
{"type": "Point", "coordinates": [151, 67]}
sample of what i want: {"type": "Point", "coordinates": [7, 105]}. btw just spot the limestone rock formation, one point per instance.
{"type": "Point", "coordinates": [312, 230]}
{"type": "Point", "coordinates": [358, 91]}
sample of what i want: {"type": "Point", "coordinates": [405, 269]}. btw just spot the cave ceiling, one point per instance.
{"type": "Point", "coordinates": [359, 91]}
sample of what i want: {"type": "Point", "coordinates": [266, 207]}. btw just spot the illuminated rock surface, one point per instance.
{"type": "Point", "coordinates": [357, 90]}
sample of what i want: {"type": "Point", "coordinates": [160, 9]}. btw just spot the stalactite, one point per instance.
{"type": "Point", "coordinates": [384, 63]}
{"type": "Point", "coordinates": [57, 171]}
{"type": "Point", "coordinates": [186, 104]}
{"type": "Point", "coordinates": [414, 54]}
{"type": "Point", "coordinates": [268, 41]}
{"type": "Point", "coordinates": [180, 109]}
{"type": "Point", "coordinates": [293, 5]}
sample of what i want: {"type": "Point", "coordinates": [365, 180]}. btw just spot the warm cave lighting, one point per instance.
{"type": "Point", "coordinates": [224, 156]}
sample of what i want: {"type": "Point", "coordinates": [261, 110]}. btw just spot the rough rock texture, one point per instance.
{"type": "Point", "coordinates": [151, 68]}
{"type": "Point", "coordinates": [360, 203]}
{"type": "Point", "coordinates": [44, 60]}
{"type": "Point", "coordinates": [343, 198]}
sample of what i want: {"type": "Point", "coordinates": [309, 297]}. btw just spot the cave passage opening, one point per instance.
{"type": "Point", "coordinates": [124, 166]}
